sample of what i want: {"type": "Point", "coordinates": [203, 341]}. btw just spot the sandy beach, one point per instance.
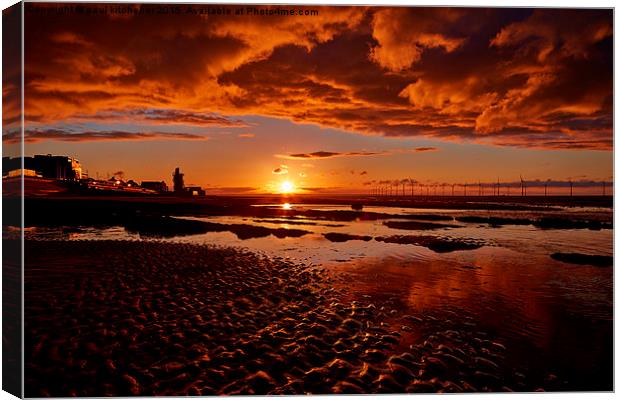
{"type": "Point", "coordinates": [108, 318]}
{"type": "Point", "coordinates": [260, 299]}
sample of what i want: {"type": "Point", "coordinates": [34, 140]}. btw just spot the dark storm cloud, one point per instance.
{"type": "Point", "coordinates": [281, 170]}
{"type": "Point", "coordinates": [168, 116]}
{"type": "Point", "coordinates": [328, 154]}
{"type": "Point", "coordinates": [65, 136]}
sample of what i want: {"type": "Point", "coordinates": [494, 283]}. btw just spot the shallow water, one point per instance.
{"type": "Point", "coordinates": [555, 318]}
{"type": "Point", "coordinates": [523, 239]}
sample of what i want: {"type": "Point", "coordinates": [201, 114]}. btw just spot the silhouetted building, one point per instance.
{"type": "Point", "coordinates": [177, 180]}
{"type": "Point", "coordinates": [9, 165]}
{"type": "Point", "coordinates": [154, 185]}
{"type": "Point", "coordinates": [195, 191]}
{"type": "Point", "coordinates": [46, 166]}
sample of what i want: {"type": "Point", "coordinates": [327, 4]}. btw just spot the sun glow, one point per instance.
{"type": "Point", "coordinates": [287, 187]}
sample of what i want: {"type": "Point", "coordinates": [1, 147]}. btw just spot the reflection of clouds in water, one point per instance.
{"type": "Point", "coordinates": [524, 299]}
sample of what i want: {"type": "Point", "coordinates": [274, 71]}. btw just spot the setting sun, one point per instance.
{"type": "Point", "coordinates": [287, 187]}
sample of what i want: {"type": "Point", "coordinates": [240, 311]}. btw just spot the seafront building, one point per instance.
{"type": "Point", "coordinates": [66, 174]}
{"type": "Point", "coordinates": [44, 166]}
{"type": "Point", "coordinates": [179, 185]}
{"type": "Point", "coordinates": [161, 186]}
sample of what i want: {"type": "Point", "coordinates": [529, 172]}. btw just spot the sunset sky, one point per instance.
{"type": "Point", "coordinates": [331, 102]}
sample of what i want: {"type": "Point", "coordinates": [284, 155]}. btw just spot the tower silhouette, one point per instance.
{"type": "Point", "coordinates": [177, 180]}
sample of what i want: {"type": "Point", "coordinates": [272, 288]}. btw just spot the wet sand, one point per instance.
{"type": "Point", "coordinates": [126, 318]}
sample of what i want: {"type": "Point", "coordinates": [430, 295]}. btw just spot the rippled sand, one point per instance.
{"type": "Point", "coordinates": [108, 318]}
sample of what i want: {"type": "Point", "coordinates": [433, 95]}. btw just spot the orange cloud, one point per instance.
{"type": "Point", "coordinates": [403, 35]}
{"type": "Point", "coordinates": [553, 34]}
{"type": "Point", "coordinates": [562, 69]}
{"type": "Point", "coordinates": [511, 77]}
{"type": "Point", "coordinates": [449, 97]}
